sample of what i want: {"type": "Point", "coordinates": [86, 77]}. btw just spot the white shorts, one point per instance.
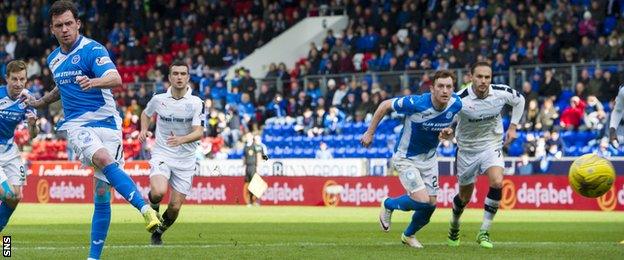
{"type": "Point", "coordinates": [415, 177]}
{"type": "Point", "coordinates": [13, 171]}
{"type": "Point", "coordinates": [179, 173]}
{"type": "Point", "coordinates": [471, 164]}
{"type": "Point", "coordinates": [87, 140]}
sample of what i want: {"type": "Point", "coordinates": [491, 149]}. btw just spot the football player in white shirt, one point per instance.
{"type": "Point", "coordinates": [616, 117]}
{"type": "Point", "coordinates": [179, 127]}
{"type": "Point", "coordinates": [480, 142]}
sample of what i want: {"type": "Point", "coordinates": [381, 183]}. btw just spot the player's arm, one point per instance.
{"type": "Point", "coordinates": [382, 110]}
{"type": "Point", "coordinates": [616, 117]}
{"type": "Point", "coordinates": [402, 105]}
{"type": "Point", "coordinates": [111, 79]}
{"type": "Point", "coordinates": [49, 98]}
{"type": "Point", "coordinates": [101, 65]}
{"type": "Point", "coordinates": [516, 100]}
{"type": "Point", "coordinates": [198, 128]}
{"type": "Point", "coordinates": [33, 128]}
{"type": "Point", "coordinates": [146, 119]}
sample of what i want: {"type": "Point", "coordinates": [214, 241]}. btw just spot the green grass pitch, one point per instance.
{"type": "Point", "coordinates": [237, 232]}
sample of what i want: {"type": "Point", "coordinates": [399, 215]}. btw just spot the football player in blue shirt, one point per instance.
{"type": "Point", "coordinates": [427, 120]}
{"type": "Point", "coordinates": [84, 74]}
{"type": "Point", "coordinates": [13, 111]}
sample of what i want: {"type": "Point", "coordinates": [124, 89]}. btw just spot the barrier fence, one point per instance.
{"type": "Point", "coordinates": [66, 182]}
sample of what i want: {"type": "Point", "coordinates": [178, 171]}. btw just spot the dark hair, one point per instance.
{"type": "Point", "coordinates": [179, 63]}
{"type": "Point", "coordinates": [479, 64]}
{"type": "Point", "coordinates": [440, 74]}
{"type": "Point", "coordinates": [62, 6]}
{"type": "Point", "coordinates": [15, 66]}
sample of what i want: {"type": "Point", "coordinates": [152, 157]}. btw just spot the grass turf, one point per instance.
{"type": "Point", "coordinates": [208, 232]}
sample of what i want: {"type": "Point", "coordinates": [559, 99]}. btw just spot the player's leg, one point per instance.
{"type": "Point", "coordinates": [491, 204]}
{"type": "Point", "coordinates": [101, 217]}
{"type": "Point", "coordinates": [466, 169]}
{"type": "Point", "coordinates": [427, 199]}
{"type": "Point", "coordinates": [12, 178]}
{"type": "Point", "coordinates": [159, 182]}
{"type": "Point", "coordinates": [169, 216]}
{"type": "Point", "coordinates": [102, 148]}
{"type": "Point", "coordinates": [181, 180]}
{"type": "Point", "coordinates": [11, 196]}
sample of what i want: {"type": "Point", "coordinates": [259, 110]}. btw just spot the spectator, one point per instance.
{"type": "Point", "coordinates": [572, 116]}
{"type": "Point", "coordinates": [596, 85]}
{"type": "Point", "coordinates": [551, 87]}
{"type": "Point", "coordinates": [594, 115]}
{"type": "Point", "coordinates": [529, 118]}
{"type": "Point", "coordinates": [524, 166]}
{"type": "Point", "coordinates": [323, 152]}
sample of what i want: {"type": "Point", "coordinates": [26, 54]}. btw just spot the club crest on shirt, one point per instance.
{"type": "Point", "coordinates": [75, 59]}
{"type": "Point", "coordinates": [449, 115]}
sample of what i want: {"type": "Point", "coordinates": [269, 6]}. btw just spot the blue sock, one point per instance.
{"type": "Point", "coordinates": [101, 218]}
{"type": "Point", "coordinates": [5, 214]}
{"type": "Point", "coordinates": [5, 210]}
{"type": "Point", "coordinates": [420, 218]}
{"type": "Point", "coordinates": [99, 228]}
{"type": "Point", "coordinates": [124, 185]}
{"type": "Point", "coordinates": [404, 203]}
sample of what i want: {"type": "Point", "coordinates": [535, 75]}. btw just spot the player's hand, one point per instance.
{"type": "Point", "coordinates": [173, 140]}
{"type": "Point", "coordinates": [613, 140]}
{"type": "Point", "coordinates": [84, 82]}
{"type": "Point", "coordinates": [143, 135]}
{"type": "Point", "coordinates": [446, 133]}
{"type": "Point", "coordinates": [367, 139]}
{"type": "Point", "coordinates": [31, 117]}
{"type": "Point", "coordinates": [511, 135]}
{"type": "Point", "coordinates": [30, 100]}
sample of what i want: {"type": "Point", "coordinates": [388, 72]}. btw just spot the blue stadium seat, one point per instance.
{"type": "Point", "coordinates": [372, 152]}
{"type": "Point", "coordinates": [361, 152]}
{"type": "Point", "coordinates": [297, 141]}
{"type": "Point", "coordinates": [350, 152]}
{"type": "Point", "coordinates": [298, 152]}
{"type": "Point", "coordinates": [309, 153]}
{"type": "Point", "coordinates": [339, 140]}
{"type": "Point", "coordinates": [609, 24]}
{"type": "Point", "coordinates": [348, 141]}
{"type": "Point", "coordinates": [340, 152]}
{"type": "Point", "coordinates": [515, 150]}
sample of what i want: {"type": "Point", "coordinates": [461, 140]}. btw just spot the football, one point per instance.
{"type": "Point", "coordinates": [591, 175]}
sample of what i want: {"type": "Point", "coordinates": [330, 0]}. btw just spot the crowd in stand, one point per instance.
{"type": "Point", "coordinates": [144, 37]}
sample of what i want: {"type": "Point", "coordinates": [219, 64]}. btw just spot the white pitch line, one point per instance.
{"type": "Point", "coordinates": [304, 244]}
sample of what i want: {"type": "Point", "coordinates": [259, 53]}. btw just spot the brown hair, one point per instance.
{"type": "Point", "coordinates": [177, 63]}
{"type": "Point", "coordinates": [440, 74]}
{"type": "Point", "coordinates": [479, 64]}
{"type": "Point", "coordinates": [15, 66]}
{"type": "Point", "coordinates": [62, 6]}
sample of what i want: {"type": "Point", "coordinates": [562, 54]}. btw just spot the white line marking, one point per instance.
{"type": "Point", "coordinates": [305, 244]}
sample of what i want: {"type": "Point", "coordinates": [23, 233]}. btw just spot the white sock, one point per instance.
{"type": "Point", "coordinates": [491, 206]}
{"type": "Point", "coordinates": [145, 208]}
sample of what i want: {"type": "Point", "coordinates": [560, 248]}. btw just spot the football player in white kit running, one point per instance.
{"type": "Point", "coordinates": [614, 122]}
{"type": "Point", "coordinates": [480, 142]}
{"type": "Point", "coordinates": [179, 127]}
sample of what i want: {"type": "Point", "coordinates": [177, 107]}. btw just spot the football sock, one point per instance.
{"type": "Point", "coordinates": [458, 209]}
{"type": "Point", "coordinates": [491, 206]}
{"type": "Point", "coordinates": [124, 185]}
{"type": "Point", "coordinates": [169, 216]}
{"type": "Point", "coordinates": [5, 214]}
{"type": "Point", "coordinates": [101, 219]}
{"type": "Point", "coordinates": [5, 210]}
{"type": "Point", "coordinates": [404, 203]}
{"type": "Point", "coordinates": [420, 218]}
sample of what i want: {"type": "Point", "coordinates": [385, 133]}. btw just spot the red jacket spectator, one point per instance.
{"type": "Point", "coordinates": [572, 116]}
